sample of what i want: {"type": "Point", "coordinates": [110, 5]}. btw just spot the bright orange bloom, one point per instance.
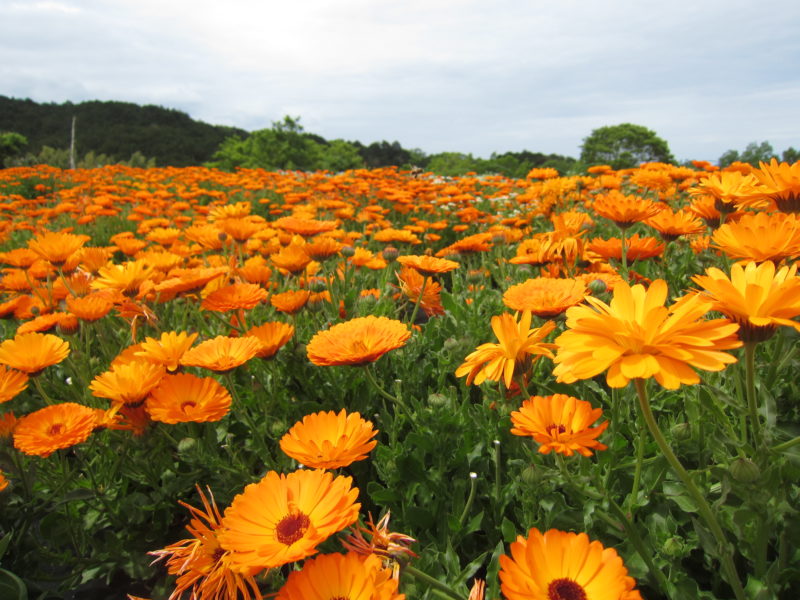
{"type": "Point", "coordinates": [781, 184]}
{"type": "Point", "coordinates": [636, 336]}
{"type": "Point", "coordinates": [8, 423]}
{"type": "Point", "coordinates": [221, 353]}
{"type": "Point", "coordinates": [292, 258]}
{"type": "Point", "coordinates": [234, 297]}
{"type": "Point", "coordinates": [428, 265]}
{"type": "Point", "coordinates": [290, 302]}
{"type": "Point", "coordinates": [185, 398]}
{"type": "Point", "coordinates": [322, 248]}
{"type": "Point", "coordinates": [271, 336]}
{"type": "Point", "coordinates": [335, 576]}
{"type": "Point", "coordinates": [376, 538]}
{"type": "Point", "coordinates": [560, 423]}
{"type": "Point", "coordinates": [126, 277]}
{"type": "Point", "coordinates": [201, 565]}
{"type": "Point", "coordinates": [625, 210]}
{"type": "Point", "coordinates": [558, 565]}
{"type": "Point", "coordinates": [304, 227]}
{"type": "Point", "coordinates": [90, 308]}
{"type": "Point", "coordinates": [756, 297]}
{"type": "Point", "coordinates": [544, 296]}
{"type": "Point", "coordinates": [365, 258]}
{"type": "Point", "coordinates": [638, 248]}
{"type": "Point", "coordinates": [519, 346]}
{"type": "Point", "coordinates": [12, 383]}
{"type": "Point", "coordinates": [33, 352]}
{"type": "Point", "coordinates": [326, 440]}
{"type": "Point", "coordinates": [671, 225]}
{"type": "Point", "coordinates": [357, 342]}
{"type": "Point", "coordinates": [283, 518]}
{"type": "Point", "coordinates": [478, 589]}
{"type": "Point", "coordinates": [730, 190]}
{"type": "Point", "coordinates": [413, 283]}
{"type": "Point", "coordinates": [3, 481]}
{"type": "Point", "coordinates": [167, 350]}
{"type": "Point", "coordinates": [56, 247]}
{"type": "Point", "coordinates": [760, 237]}
{"type": "Point", "coordinates": [51, 428]}
{"type": "Point", "coordinates": [127, 383]}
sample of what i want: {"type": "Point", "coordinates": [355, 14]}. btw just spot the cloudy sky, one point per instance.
{"type": "Point", "coordinates": [440, 75]}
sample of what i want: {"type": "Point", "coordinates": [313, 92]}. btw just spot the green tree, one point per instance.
{"type": "Point", "coordinates": [624, 146]}
{"type": "Point", "coordinates": [452, 164]}
{"type": "Point", "coordinates": [790, 155]}
{"type": "Point", "coordinates": [340, 155]}
{"type": "Point", "coordinates": [756, 153]}
{"type": "Point", "coordinates": [11, 145]}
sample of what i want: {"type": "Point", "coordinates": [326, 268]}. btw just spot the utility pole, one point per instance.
{"type": "Point", "coordinates": [72, 145]}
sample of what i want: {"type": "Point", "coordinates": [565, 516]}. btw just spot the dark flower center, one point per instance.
{"type": "Point", "coordinates": [292, 528]}
{"type": "Point", "coordinates": [555, 429]}
{"type": "Point", "coordinates": [188, 405]}
{"type": "Point", "coordinates": [56, 429]}
{"type": "Point", "coordinates": [565, 589]}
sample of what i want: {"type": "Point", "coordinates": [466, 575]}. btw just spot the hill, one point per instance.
{"type": "Point", "coordinates": [116, 129]}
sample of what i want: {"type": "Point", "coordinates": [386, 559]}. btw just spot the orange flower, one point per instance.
{"type": "Point", "coordinates": [89, 308]}
{"type": "Point", "coordinates": [558, 565]}
{"type": "Point", "coordinates": [271, 337]}
{"type": "Point", "coordinates": [545, 296]}
{"type": "Point", "coordinates": [322, 248]}
{"type": "Point", "coordinates": [756, 297]}
{"type": "Point", "coordinates": [3, 481]}
{"type": "Point", "coordinates": [290, 302]}
{"type": "Point", "coordinates": [56, 247]}
{"type": "Point", "coordinates": [292, 258]}
{"type": "Point", "coordinates": [625, 210]}
{"type": "Point", "coordinates": [12, 383]}
{"type": "Point", "coordinates": [730, 190]}
{"type": "Point", "coordinates": [357, 342]}
{"type": "Point", "coordinates": [560, 423]}
{"type": "Point", "coordinates": [335, 576]}
{"type": "Point", "coordinates": [428, 265]}
{"type": "Point", "coordinates": [127, 383]}
{"type": "Point", "coordinates": [201, 565]}
{"type": "Point", "coordinates": [376, 538]}
{"type": "Point", "coordinates": [125, 278]}
{"type": "Point", "coordinates": [671, 225]}
{"type": "Point", "coordinates": [221, 353]}
{"type": "Point", "coordinates": [638, 248]}
{"type": "Point", "coordinates": [760, 237]}
{"type": "Point", "coordinates": [636, 336]}
{"type": "Point", "coordinates": [517, 344]}
{"type": "Point", "coordinates": [8, 423]}
{"type": "Point", "coordinates": [781, 184]}
{"type": "Point", "coordinates": [304, 227]}
{"type": "Point", "coordinates": [167, 350]}
{"type": "Point", "coordinates": [413, 283]}
{"type": "Point", "coordinates": [185, 398]}
{"type": "Point", "coordinates": [283, 518]}
{"type": "Point", "coordinates": [234, 297]}
{"type": "Point", "coordinates": [53, 427]}
{"type": "Point", "coordinates": [325, 440]}
{"type": "Point", "coordinates": [33, 352]}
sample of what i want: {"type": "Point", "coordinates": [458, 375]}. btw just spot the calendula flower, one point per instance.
{"type": "Point", "coordinates": [781, 184]}
{"type": "Point", "coordinates": [125, 278]}
{"type": "Point", "coordinates": [671, 225]}
{"type": "Point", "coordinates": [428, 265]}
{"type": "Point", "coordinates": [559, 423]}
{"type": "Point", "coordinates": [357, 342]}
{"type": "Point", "coordinates": [234, 297]}
{"type": "Point", "coordinates": [283, 518]}
{"type": "Point", "coordinates": [292, 258]}
{"type": "Point", "coordinates": [127, 383]}
{"type": "Point", "coordinates": [57, 247]}
{"type": "Point", "coordinates": [545, 296]}
{"type": "Point", "coordinates": [625, 210]}
{"type": "Point", "coordinates": [637, 248]}
{"type": "Point", "coordinates": [202, 566]}
{"type": "Point", "coordinates": [334, 576]}
{"type": "Point", "coordinates": [33, 352]}
{"type": "Point", "coordinates": [186, 398]}
{"type": "Point", "coordinates": [757, 297]}
{"type": "Point", "coordinates": [12, 383]}
{"type": "Point", "coordinates": [557, 565]}
{"type": "Point", "coordinates": [760, 237]}
{"type": "Point", "coordinates": [478, 589]}
{"type": "Point", "coordinates": [518, 346]}
{"type": "Point", "coordinates": [7, 424]}
{"type": "Point", "coordinates": [730, 190]}
{"type": "Point", "coordinates": [167, 350]}
{"type": "Point", "coordinates": [290, 302]}
{"type": "Point", "coordinates": [636, 336]}
{"type": "Point", "coordinates": [90, 308]}
{"type": "Point", "coordinates": [271, 336]}
{"type": "Point", "coordinates": [376, 538]}
{"type": "Point", "coordinates": [419, 288]}
{"type": "Point", "coordinates": [326, 440]}
{"type": "Point", "coordinates": [51, 428]}
{"type": "Point", "coordinates": [304, 227]}
{"type": "Point", "coordinates": [221, 353]}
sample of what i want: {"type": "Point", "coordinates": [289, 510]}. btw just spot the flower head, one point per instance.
{"type": "Point", "coordinates": [221, 353]}
{"type": "Point", "coordinates": [760, 237]}
{"type": "Point", "coordinates": [234, 297]}
{"type": "Point", "coordinates": [51, 428]}
{"type": "Point", "coordinates": [12, 383]}
{"type": "Point", "coordinates": [326, 440]}
{"type": "Point", "coordinates": [127, 383]}
{"type": "Point", "coordinates": [517, 342]}
{"type": "Point", "coordinates": [781, 184]}
{"type": "Point", "coordinates": [636, 336]}
{"type": "Point", "coordinates": [271, 336]}
{"type": "Point", "coordinates": [33, 352]}
{"type": "Point", "coordinates": [557, 565]}
{"type": "Point", "coordinates": [357, 342]}
{"type": "Point", "coordinates": [376, 538]}
{"type": "Point", "coordinates": [560, 423]}
{"type": "Point", "coordinates": [283, 518]}
{"type": "Point", "coordinates": [185, 398]}
{"type": "Point", "coordinates": [57, 247]}
{"type": "Point", "coordinates": [167, 350]}
{"type": "Point", "coordinates": [544, 296]}
{"type": "Point", "coordinates": [428, 265]}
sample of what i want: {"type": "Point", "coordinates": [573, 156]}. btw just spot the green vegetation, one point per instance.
{"type": "Point", "coordinates": [756, 153]}
{"type": "Point", "coordinates": [624, 146]}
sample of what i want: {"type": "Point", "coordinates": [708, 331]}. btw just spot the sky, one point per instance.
{"type": "Point", "coordinates": [439, 75]}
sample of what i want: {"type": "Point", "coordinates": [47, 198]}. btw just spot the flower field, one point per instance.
{"type": "Point", "coordinates": [384, 384]}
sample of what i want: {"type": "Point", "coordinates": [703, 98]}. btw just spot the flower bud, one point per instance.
{"type": "Point", "coordinates": [597, 286]}
{"type": "Point", "coordinates": [745, 470]}
{"type": "Point", "coordinates": [348, 251]}
{"type": "Point", "coordinates": [681, 431]}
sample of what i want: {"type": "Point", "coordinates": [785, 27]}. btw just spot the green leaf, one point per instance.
{"type": "Point", "coordinates": [677, 493]}
{"type": "Point", "coordinates": [509, 530]}
{"type": "Point", "coordinates": [11, 586]}
{"type": "Point", "coordinates": [4, 544]}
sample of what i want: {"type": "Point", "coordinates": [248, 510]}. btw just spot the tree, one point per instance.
{"type": "Point", "coordinates": [624, 146]}
{"type": "Point", "coordinates": [11, 145]}
{"type": "Point", "coordinates": [753, 154]}
{"type": "Point", "coordinates": [790, 155]}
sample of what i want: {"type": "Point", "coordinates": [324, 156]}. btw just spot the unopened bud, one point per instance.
{"type": "Point", "coordinates": [348, 251]}
{"type": "Point", "coordinates": [745, 470]}
{"type": "Point", "coordinates": [597, 286]}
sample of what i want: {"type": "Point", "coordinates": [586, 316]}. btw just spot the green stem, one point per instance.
{"type": "Point", "coordinates": [419, 301]}
{"type": "Point", "coordinates": [703, 508]}
{"type": "Point", "coordinates": [434, 583]}
{"type": "Point", "coordinates": [637, 473]}
{"type": "Point", "coordinates": [624, 253]}
{"type": "Point", "coordinates": [473, 487]}
{"type": "Point", "coordinates": [394, 399]}
{"type": "Point", "coordinates": [752, 407]}
{"type": "Point", "coordinates": [244, 411]}
{"type": "Point", "coordinates": [497, 470]}
{"type": "Point", "coordinates": [786, 445]}
{"type": "Point", "coordinates": [40, 389]}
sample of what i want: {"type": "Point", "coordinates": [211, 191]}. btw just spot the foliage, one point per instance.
{"type": "Point", "coordinates": [11, 144]}
{"type": "Point", "coordinates": [624, 146]}
{"type": "Point", "coordinates": [59, 157]}
{"type": "Point", "coordinates": [756, 153]}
